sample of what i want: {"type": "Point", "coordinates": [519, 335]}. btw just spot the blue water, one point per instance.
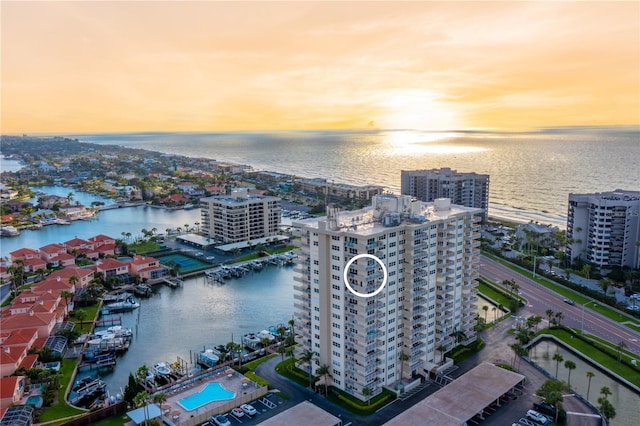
{"type": "Point", "coordinates": [532, 173]}
{"type": "Point", "coordinates": [213, 391]}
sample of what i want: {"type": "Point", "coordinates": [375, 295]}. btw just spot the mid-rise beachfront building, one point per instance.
{"type": "Point", "coordinates": [604, 228]}
{"type": "Point", "coordinates": [240, 216]}
{"type": "Point", "coordinates": [465, 189]}
{"type": "Point", "coordinates": [427, 307]}
{"type": "Point", "coordinates": [338, 192]}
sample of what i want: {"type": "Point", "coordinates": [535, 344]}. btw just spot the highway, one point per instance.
{"type": "Point", "coordinates": [540, 299]}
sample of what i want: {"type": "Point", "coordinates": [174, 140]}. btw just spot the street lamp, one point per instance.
{"type": "Point", "coordinates": [583, 305]}
{"type": "Point", "coordinates": [534, 266]}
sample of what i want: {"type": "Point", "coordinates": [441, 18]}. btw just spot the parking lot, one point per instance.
{"type": "Point", "coordinates": [270, 403]}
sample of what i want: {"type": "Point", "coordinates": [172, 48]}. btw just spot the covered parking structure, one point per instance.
{"type": "Point", "coordinates": [463, 399]}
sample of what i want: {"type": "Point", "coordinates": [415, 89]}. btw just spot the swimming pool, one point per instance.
{"type": "Point", "coordinates": [213, 391]}
{"type": "Point", "coordinates": [34, 401]}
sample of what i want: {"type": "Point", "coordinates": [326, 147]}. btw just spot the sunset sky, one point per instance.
{"type": "Point", "coordinates": [218, 66]}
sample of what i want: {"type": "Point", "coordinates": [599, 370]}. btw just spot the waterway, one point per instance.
{"type": "Point", "coordinates": [625, 401]}
{"type": "Point", "coordinates": [181, 322]}
{"type": "Point", "coordinates": [109, 222]}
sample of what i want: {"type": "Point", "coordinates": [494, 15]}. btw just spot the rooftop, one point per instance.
{"type": "Point", "coordinates": [305, 413]}
{"type": "Point", "coordinates": [387, 211]}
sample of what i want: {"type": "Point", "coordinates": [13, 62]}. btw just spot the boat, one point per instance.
{"type": "Point", "coordinates": [209, 357]}
{"type": "Point", "coordinates": [128, 304]}
{"type": "Point", "coordinates": [143, 290]}
{"type": "Point", "coordinates": [82, 383]}
{"type": "Point", "coordinates": [9, 231]}
{"type": "Point", "coordinates": [162, 369]}
{"type": "Point", "coordinates": [116, 297]}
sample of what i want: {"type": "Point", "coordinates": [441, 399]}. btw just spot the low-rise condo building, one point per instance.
{"type": "Point", "coordinates": [240, 216]}
{"type": "Point", "coordinates": [430, 252]}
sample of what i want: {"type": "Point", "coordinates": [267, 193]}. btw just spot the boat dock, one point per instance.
{"type": "Point", "coordinates": [236, 270]}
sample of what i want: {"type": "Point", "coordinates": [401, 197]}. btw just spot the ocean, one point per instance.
{"type": "Point", "coordinates": [531, 173]}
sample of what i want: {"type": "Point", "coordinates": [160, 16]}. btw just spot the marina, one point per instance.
{"type": "Point", "coordinates": [208, 316]}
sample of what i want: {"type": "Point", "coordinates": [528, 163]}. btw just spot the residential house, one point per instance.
{"type": "Point", "coordinates": [104, 244]}
{"type": "Point", "coordinates": [11, 391]}
{"type": "Point", "coordinates": [56, 255]}
{"type": "Point", "coordinates": [110, 267]}
{"type": "Point", "coordinates": [84, 275]}
{"type": "Point", "coordinates": [78, 246]}
{"type": "Point", "coordinates": [147, 267]}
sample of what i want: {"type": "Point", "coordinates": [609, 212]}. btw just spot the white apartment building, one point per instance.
{"type": "Point", "coordinates": [431, 253]}
{"type": "Point", "coordinates": [465, 189]}
{"type": "Point", "coordinates": [239, 216]}
{"type": "Point", "coordinates": [604, 228]}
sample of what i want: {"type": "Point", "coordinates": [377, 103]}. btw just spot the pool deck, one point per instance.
{"type": "Point", "coordinates": [234, 382]}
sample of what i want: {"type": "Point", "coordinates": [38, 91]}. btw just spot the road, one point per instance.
{"type": "Point", "coordinates": [541, 298]}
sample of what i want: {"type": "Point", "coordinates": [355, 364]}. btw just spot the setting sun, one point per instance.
{"type": "Point", "coordinates": [417, 109]}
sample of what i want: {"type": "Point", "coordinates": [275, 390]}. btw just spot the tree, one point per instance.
{"type": "Point", "coordinates": [549, 313]}
{"type": "Point", "coordinates": [559, 317]}
{"type": "Point", "coordinates": [605, 406]}
{"type": "Point", "coordinates": [282, 349]}
{"type": "Point", "coordinates": [518, 350]}
{"type": "Point", "coordinates": [555, 398]}
{"type": "Point", "coordinates": [495, 314]}
{"type": "Point", "coordinates": [403, 357]}
{"type": "Point", "coordinates": [485, 308]}
{"type": "Point", "coordinates": [569, 365]}
{"type": "Point", "coordinates": [66, 295]}
{"type": "Point", "coordinates": [142, 400]}
{"type": "Point", "coordinates": [620, 346]}
{"type": "Point", "coordinates": [160, 398]}
{"type": "Point", "coordinates": [558, 358]}
{"type": "Point", "coordinates": [291, 323]}
{"type": "Point", "coordinates": [367, 392]}
{"type": "Point", "coordinates": [306, 357]}
{"type": "Point", "coordinates": [81, 314]}
{"type": "Point", "coordinates": [141, 373]}
{"type": "Point", "coordinates": [604, 284]}
{"type": "Point", "coordinates": [323, 370]}
{"type": "Point", "coordinates": [590, 376]}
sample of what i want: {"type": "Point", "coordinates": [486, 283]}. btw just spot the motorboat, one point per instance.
{"type": "Point", "coordinates": [128, 304]}
{"type": "Point", "coordinates": [209, 357]}
{"type": "Point", "coordinates": [162, 369]}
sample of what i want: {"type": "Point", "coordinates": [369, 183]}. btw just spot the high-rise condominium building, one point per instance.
{"type": "Point", "coordinates": [430, 251]}
{"type": "Point", "coordinates": [604, 228]}
{"type": "Point", "coordinates": [465, 189]}
{"type": "Point", "coordinates": [239, 216]}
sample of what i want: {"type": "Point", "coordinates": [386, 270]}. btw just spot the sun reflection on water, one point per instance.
{"type": "Point", "coordinates": [411, 142]}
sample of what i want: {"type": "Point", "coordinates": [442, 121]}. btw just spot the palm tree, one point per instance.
{"type": "Point", "coordinates": [81, 314]}
{"type": "Point", "coordinates": [620, 346]}
{"type": "Point", "coordinates": [559, 316]}
{"type": "Point", "coordinates": [485, 308]}
{"type": "Point", "coordinates": [366, 392]}
{"type": "Point", "coordinates": [282, 349]}
{"type": "Point", "coordinates": [290, 351]}
{"type": "Point", "coordinates": [605, 406]}
{"type": "Point", "coordinates": [403, 357]}
{"type": "Point", "coordinates": [66, 295]}
{"type": "Point", "coordinates": [569, 365]}
{"type": "Point", "coordinates": [549, 313]}
{"type": "Point", "coordinates": [495, 314]}
{"type": "Point", "coordinates": [141, 400]}
{"type": "Point", "coordinates": [281, 331]}
{"type": "Point", "coordinates": [558, 358]}
{"type": "Point", "coordinates": [291, 323]}
{"type": "Point", "coordinates": [555, 398]}
{"type": "Point", "coordinates": [590, 376]}
{"type": "Point", "coordinates": [306, 357]}
{"type": "Point", "coordinates": [323, 370]}
{"type": "Point", "coordinates": [160, 398]}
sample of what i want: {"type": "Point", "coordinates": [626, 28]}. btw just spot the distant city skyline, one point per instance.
{"type": "Point", "coordinates": [81, 67]}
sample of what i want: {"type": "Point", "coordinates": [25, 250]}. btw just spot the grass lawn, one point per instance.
{"type": "Point", "coordinates": [492, 293]}
{"type": "Point", "coordinates": [255, 255]}
{"type": "Point", "coordinates": [62, 409]}
{"type": "Point", "coordinates": [580, 299]}
{"type": "Point", "coordinates": [144, 247]}
{"type": "Point", "coordinates": [113, 421]}
{"type": "Point", "coordinates": [607, 360]}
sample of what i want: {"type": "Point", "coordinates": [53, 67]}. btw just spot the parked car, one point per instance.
{"type": "Point", "coordinates": [537, 417]}
{"type": "Point", "coordinates": [545, 408]}
{"type": "Point", "coordinates": [248, 409]}
{"type": "Point", "coordinates": [237, 412]}
{"type": "Point", "coordinates": [220, 420]}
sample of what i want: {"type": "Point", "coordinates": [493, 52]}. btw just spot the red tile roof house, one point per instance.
{"type": "Point", "coordinates": [84, 275]}
{"type": "Point", "coordinates": [147, 267]}
{"type": "Point", "coordinates": [110, 267]}
{"type": "Point", "coordinates": [43, 321]}
{"type": "Point", "coordinates": [78, 246]}
{"type": "Point", "coordinates": [14, 350]}
{"type": "Point", "coordinates": [52, 254]}
{"type": "Point", "coordinates": [24, 254]}
{"type": "Point", "coordinates": [104, 244]}
{"type": "Point", "coordinates": [11, 357]}
{"type": "Point", "coordinates": [11, 390]}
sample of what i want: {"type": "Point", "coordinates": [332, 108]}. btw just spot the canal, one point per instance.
{"type": "Point", "coordinates": [625, 401]}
